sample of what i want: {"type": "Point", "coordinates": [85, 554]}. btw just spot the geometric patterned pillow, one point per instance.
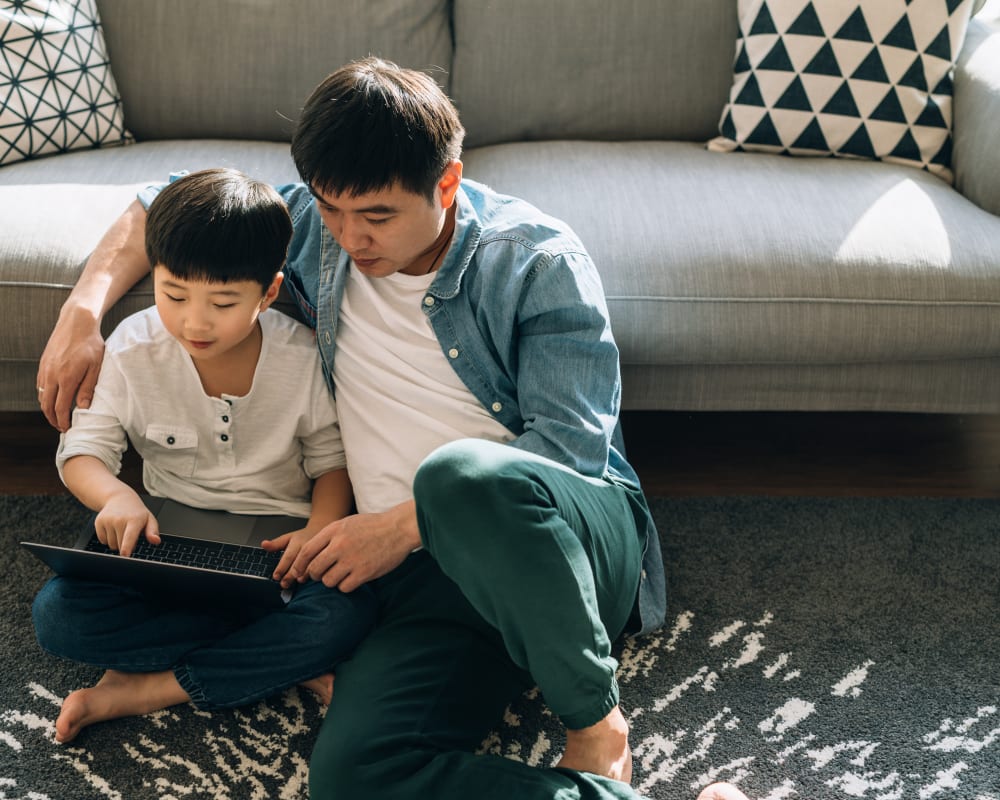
{"type": "Point", "coordinates": [57, 92]}
{"type": "Point", "coordinates": [863, 79]}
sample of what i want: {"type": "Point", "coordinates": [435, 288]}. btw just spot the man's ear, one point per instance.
{"type": "Point", "coordinates": [272, 291]}
{"type": "Point", "coordinates": [449, 183]}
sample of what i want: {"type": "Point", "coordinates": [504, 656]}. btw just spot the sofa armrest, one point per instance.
{"type": "Point", "coordinates": [976, 154]}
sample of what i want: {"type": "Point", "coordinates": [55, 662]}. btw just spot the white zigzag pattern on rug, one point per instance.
{"type": "Point", "coordinates": [265, 753]}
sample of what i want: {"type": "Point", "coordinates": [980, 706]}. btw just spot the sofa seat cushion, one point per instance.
{"type": "Point", "coordinates": [63, 205]}
{"type": "Point", "coordinates": [753, 258]}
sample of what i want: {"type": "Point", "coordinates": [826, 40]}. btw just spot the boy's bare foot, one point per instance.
{"type": "Point", "coordinates": [601, 749]}
{"type": "Point", "coordinates": [321, 686]}
{"type": "Point", "coordinates": [117, 694]}
{"type": "Point", "coordinates": [721, 791]}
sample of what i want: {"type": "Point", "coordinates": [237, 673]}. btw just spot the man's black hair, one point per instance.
{"type": "Point", "coordinates": [372, 125]}
{"type": "Point", "coordinates": [219, 225]}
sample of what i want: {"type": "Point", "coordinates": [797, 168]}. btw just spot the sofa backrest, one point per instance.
{"type": "Point", "coordinates": [592, 69]}
{"type": "Point", "coordinates": [242, 68]}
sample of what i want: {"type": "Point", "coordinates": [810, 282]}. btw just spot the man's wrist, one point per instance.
{"type": "Point", "coordinates": [79, 313]}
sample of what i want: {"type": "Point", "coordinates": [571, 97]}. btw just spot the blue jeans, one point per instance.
{"type": "Point", "coordinates": [221, 657]}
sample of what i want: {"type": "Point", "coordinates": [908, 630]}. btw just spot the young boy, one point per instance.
{"type": "Point", "coordinates": [225, 400]}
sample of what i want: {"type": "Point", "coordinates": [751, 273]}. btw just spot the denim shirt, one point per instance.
{"type": "Point", "coordinates": [519, 311]}
{"type": "Point", "coordinates": [518, 308]}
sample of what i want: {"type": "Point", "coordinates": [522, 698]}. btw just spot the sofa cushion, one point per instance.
{"type": "Point", "coordinates": [63, 206]}
{"type": "Point", "coordinates": [590, 69]}
{"type": "Point", "coordinates": [870, 79]}
{"type": "Point", "coordinates": [57, 91]}
{"type": "Point", "coordinates": [242, 70]}
{"type": "Point", "coordinates": [762, 259]}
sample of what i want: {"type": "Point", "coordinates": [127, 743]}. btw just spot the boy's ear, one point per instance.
{"type": "Point", "coordinates": [272, 291]}
{"type": "Point", "coordinates": [449, 183]}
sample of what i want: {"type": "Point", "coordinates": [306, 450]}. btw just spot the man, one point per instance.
{"type": "Point", "coordinates": [466, 337]}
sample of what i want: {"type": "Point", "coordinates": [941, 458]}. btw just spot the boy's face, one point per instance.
{"type": "Point", "coordinates": [391, 230]}
{"type": "Point", "coordinates": [209, 319]}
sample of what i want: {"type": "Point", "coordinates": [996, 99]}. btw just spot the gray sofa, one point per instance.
{"type": "Point", "coordinates": [735, 281]}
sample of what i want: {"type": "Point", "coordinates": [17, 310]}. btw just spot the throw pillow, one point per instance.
{"type": "Point", "coordinates": [865, 79]}
{"type": "Point", "coordinates": [57, 92]}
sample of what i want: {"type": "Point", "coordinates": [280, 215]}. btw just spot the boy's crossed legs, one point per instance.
{"type": "Point", "coordinates": [157, 655]}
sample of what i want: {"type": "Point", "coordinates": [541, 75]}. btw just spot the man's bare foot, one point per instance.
{"type": "Point", "coordinates": [601, 749]}
{"type": "Point", "coordinates": [117, 694]}
{"type": "Point", "coordinates": [321, 686]}
{"type": "Point", "coordinates": [721, 791]}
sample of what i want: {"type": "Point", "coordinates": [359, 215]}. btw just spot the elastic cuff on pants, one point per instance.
{"type": "Point", "coordinates": [187, 682]}
{"type": "Point", "coordinates": [591, 716]}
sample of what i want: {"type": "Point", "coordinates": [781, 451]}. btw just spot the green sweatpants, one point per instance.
{"type": "Point", "coordinates": [529, 572]}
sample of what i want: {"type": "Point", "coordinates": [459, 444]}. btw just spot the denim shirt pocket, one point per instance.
{"type": "Point", "coordinates": [172, 448]}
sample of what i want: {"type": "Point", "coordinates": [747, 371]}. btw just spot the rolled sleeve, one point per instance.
{"type": "Point", "coordinates": [97, 431]}
{"type": "Point", "coordinates": [322, 447]}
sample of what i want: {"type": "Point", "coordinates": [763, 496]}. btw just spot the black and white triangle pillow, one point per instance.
{"type": "Point", "coordinates": [57, 92]}
{"type": "Point", "coordinates": [864, 79]}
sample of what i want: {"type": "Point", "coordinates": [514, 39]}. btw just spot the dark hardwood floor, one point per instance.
{"type": "Point", "coordinates": [680, 454]}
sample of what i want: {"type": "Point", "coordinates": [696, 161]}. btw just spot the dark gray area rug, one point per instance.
{"type": "Point", "coordinates": [814, 648]}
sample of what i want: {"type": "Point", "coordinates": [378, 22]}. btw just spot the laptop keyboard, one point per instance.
{"type": "Point", "coordinates": [234, 558]}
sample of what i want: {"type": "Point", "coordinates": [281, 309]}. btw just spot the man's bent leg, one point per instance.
{"type": "Point", "coordinates": [550, 558]}
{"type": "Point", "coordinates": [418, 698]}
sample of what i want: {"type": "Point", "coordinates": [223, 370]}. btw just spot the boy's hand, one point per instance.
{"type": "Point", "coordinates": [122, 519]}
{"type": "Point", "coordinates": [291, 543]}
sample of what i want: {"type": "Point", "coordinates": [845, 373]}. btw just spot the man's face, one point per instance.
{"type": "Point", "coordinates": [390, 230]}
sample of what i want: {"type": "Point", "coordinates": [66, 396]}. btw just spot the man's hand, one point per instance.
{"type": "Point", "coordinates": [69, 366]}
{"type": "Point", "coordinates": [72, 359]}
{"type": "Point", "coordinates": [356, 549]}
{"type": "Point", "coordinates": [121, 521]}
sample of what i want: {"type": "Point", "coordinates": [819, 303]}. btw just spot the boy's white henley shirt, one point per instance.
{"type": "Point", "coordinates": [255, 454]}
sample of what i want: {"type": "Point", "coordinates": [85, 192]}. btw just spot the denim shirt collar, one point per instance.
{"type": "Point", "coordinates": [464, 241]}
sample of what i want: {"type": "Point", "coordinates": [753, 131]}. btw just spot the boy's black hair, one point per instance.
{"type": "Point", "coordinates": [371, 125]}
{"type": "Point", "coordinates": [219, 225]}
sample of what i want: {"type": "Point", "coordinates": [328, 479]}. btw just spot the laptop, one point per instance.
{"type": "Point", "coordinates": [204, 555]}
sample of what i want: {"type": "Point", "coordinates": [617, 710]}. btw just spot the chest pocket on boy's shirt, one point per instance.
{"type": "Point", "coordinates": [172, 448]}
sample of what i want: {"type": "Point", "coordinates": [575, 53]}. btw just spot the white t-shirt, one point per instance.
{"type": "Point", "coordinates": [254, 454]}
{"type": "Point", "coordinates": [398, 398]}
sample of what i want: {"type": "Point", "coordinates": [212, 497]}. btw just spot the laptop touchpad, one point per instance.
{"type": "Point", "coordinates": [197, 523]}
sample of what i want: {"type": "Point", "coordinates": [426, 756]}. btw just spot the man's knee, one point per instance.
{"type": "Point", "coordinates": [470, 475]}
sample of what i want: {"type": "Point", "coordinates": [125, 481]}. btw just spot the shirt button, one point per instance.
{"type": "Point", "coordinates": [453, 353]}
{"type": "Point", "coordinates": [327, 337]}
{"type": "Point", "coordinates": [224, 438]}
{"type": "Point", "coordinates": [171, 440]}
{"type": "Point", "coordinates": [497, 407]}
{"type": "Point", "coordinates": [225, 418]}
{"type": "Point", "coordinates": [428, 301]}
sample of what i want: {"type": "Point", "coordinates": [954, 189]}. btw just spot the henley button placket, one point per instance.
{"type": "Point", "coordinates": [225, 455]}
